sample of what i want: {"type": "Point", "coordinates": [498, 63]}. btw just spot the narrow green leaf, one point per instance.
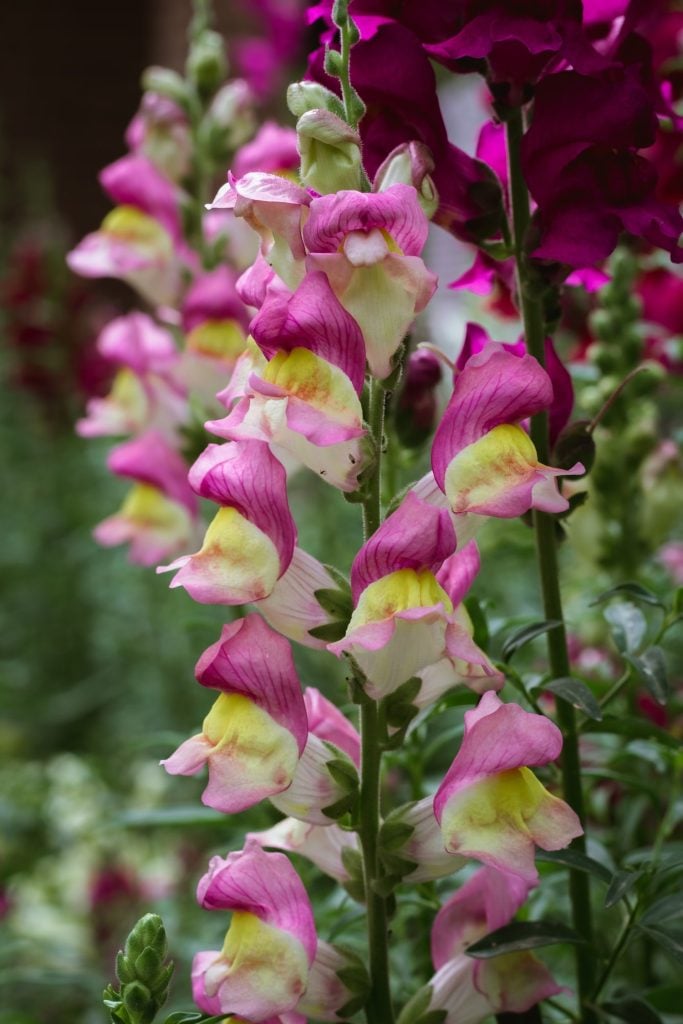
{"type": "Point", "coordinates": [522, 935]}
{"type": "Point", "coordinates": [670, 940]}
{"type": "Point", "coordinates": [576, 693]}
{"type": "Point", "coordinates": [479, 623]}
{"type": "Point", "coordinates": [577, 860]}
{"type": "Point", "coordinates": [632, 1010]}
{"type": "Point", "coordinates": [524, 634]}
{"type": "Point", "coordinates": [677, 605]}
{"type": "Point", "coordinates": [634, 728]}
{"type": "Point", "coordinates": [667, 908]}
{"type": "Point", "coordinates": [620, 886]}
{"type": "Point", "coordinates": [650, 667]}
{"type": "Point", "coordinates": [171, 817]}
{"type": "Point", "coordinates": [630, 589]}
{"type": "Point", "coordinates": [627, 626]}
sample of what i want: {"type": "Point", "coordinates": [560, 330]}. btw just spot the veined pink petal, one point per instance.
{"type": "Point", "coordinates": [137, 341]}
{"type": "Point", "coordinates": [458, 572]}
{"type": "Point", "coordinates": [321, 844]}
{"type": "Point", "coordinates": [488, 900]}
{"type": "Point", "coordinates": [252, 660]}
{"type": "Point", "coordinates": [246, 476]}
{"type": "Point", "coordinates": [396, 211]}
{"type": "Point", "coordinates": [133, 180]}
{"type": "Point", "coordinates": [151, 459]}
{"type": "Point", "coordinates": [416, 536]}
{"type": "Point", "coordinates": [327, 722]}
{"type": "Point", "coordinates": [263, 884]}
{"type": "Point", "coordinates": [312, 788]}
{"type": "Point", "coordinates": [312, 317]}
{"type": "Point", "coordinates": [495, 388]}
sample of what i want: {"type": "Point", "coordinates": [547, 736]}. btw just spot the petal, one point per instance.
{"type": "Point", "coordinates": [312, 787]}
{"type": "Point", "coordinates": [252, 660]}
{"type": "Point", "coordinates": [237, 563]}
{"type": "Point", "coordinates": [515, 982]}
{"type": "Point", "coordinates": [292, 607]}
{"type": "Point", "coordinates": [246, 476]}
{"type": "Point", "coordinates": [416, 536]}
{"type": "Point", "coordinates": [495, 387]}
{"type": "Point", "coordinates": [313, 318]}
{"type": "Point", "coordinates": [323, 845]}
{"type": "Point", "coordinates": [150, 459]}
{"type": "Point", "coordinates": [327, 722]}
{"type": "Point", "coordinates": [264, 884]}
{"type": "Point", "coordinates": [458, 572]}
{"type": "Point", "coordinates": [396, 211]}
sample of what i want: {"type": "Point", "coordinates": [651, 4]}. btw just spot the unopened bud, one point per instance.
{"type": "Point", "coordinates": [305, 96]}
{"type": "Point", "coordinates": [330, 152]}
{"type": "Point", "coordinates": [411, 163]}
{"type": "Point", "coordinates": [207, 64]}
{"type": "Point", "coordinates": [165, 82]}
{"type": "Point", "coordinates": [416, 407]}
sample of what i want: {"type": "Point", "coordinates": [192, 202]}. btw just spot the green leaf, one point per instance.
{"type": "Point", "coordinates": [329, 631]}
{"type": "Point", "coordinates": [193, 1017]}
{"type": "Point", "coordinates": [524, 634]}
{"type": "Point", "coordinates": [634, 728]}
{"type": "Point", "coordinates": [577, 860]}
{"type": "Point", "coordinates": [630, 589]}
{"type": "Point", "coordinates": [576, 693]}
{"type": "Point", "coordinates": [632, 1010]}
{"type": "Point", "coordinates": [522, 935]}
{"type": "Point", "coordinates": [627, 626]}
{"type": "Point", "coordinates": [650, 667]}
{"type": "Point", "coordinates": [670, 939]}
{"type": "Point", "coordinates": [479, 623]}
{"type": "Point", "coordinates": [336, 603]}
{"type": "Point", "coordinates": [677, 605]}
{"type": "Point", "coordinates": [668, 908]}
{"type": "Point", "coordinates": [620, 886]}
{"type": "Point", "coordinates": [171, 817]}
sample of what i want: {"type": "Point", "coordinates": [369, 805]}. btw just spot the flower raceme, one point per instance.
{"type": "Point", "coordinates": [262, 737]}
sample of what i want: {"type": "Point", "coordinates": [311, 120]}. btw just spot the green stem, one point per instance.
{"type": "Point", "coordinates": [616, 952]}
{"type": "Point", "coordinates": [379, 1008]}
{"type": "Point", "coordinates": [546, 547]}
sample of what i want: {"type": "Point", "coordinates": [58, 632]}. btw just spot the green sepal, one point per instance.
{"type": "Point", "coordinates": [339, 808]}
{"type": "Point", "coordinates": [393, 835]}
{"type": "Point", "coordinates": [333, 63]}
{"type": "Point", "coordinates": [305, 96]}
{"type": "Point", "coordinates": [417, 1007]}
{"type": "Point", "coordinates": [353, 862]}
{"type": "Point", "coordinates": [344, 773]}
{"type": "Point", "coordinates": [337, 603]}
{"type": "Point", "coordinates": [124, 969]}
{"type": "Point", "coordinates": [329, 632]}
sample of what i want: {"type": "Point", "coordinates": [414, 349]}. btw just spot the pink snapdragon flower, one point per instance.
{"type": "Point", "coordinates": [482, 459]}
{"type": "Point", "coordinates": [160, 515]}
{"type": "Point", "coordinates": [404, 618]}
{"type": "Point", "coordinates": [263, 969]}
{"type": "Point", "coordinates": [258, 740]}
{"type": "Point", "coordinates": [471, 990]}
{"type": "Point", "coordinates": [303, 395]}
{"type": "Point", "coordinates": [490, 805]}
{"type": "Point", "coordinates": [272, 150]}
{"type": "Point", "coordinates": [369, 245]}
{"type": "Point", "coordinates": [250, 542]}
{"type": "Point", "coordinates": [272, 967]}
{"type": "Point", "coordinates": [322, 845]}
{"type": "Point", "coordinates": [146, 393]}
{"type": "Point", "coordinates": [160, 131]}
{"type": "Point", "coordinates": [140, 240]}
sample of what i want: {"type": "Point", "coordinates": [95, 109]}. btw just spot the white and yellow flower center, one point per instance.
{"type": "Point", "coordinates": [398, 592]}
{"type": "Point", "coordinates": [485, 469]}
{"type": "Point", "coordinates": [262, 959]}
{"type": "Point", "coordinates": [128, 224]}
{"type": "Point", "coordinates": [238, 554]}
{"type": "Point", "coordinates": [480, 816]}
{"type": "Point", "coordinates": [265, 753]}
{"type": "Point", "coordinates": [313, 380]}
{"type": "Point", "coordinates": [148, 507]}
{"type": "Point", "coordinates": [217, 339]}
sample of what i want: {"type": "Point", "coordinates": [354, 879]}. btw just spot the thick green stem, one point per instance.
{"type": "Point", "coordinates": [379, 1007]}
{"type": "Point", "coordinates": [546, 546]}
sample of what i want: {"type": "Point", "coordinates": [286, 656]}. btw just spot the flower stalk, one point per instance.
{"type": "Point", "coordinates": [546, 548]}
{"type": "Point", "coordinates": [379, 1006]}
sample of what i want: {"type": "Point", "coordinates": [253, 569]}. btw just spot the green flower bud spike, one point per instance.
{"type": "Point", "coordinates": [142, 974]}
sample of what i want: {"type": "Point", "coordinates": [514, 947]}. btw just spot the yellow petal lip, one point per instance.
{"type": "Point", "coordinates": [398, 592]}
{"type": "Point", "coordinates": [485, 469]}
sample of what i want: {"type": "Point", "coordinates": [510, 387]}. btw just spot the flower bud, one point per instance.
{"type": "Point", "coordinates": [207, 65]}
{"type": "Point", "coordinates": [165, 82]}
{"type": "Point", "coordinates": [231, 114]}
{"type": "Point", "coordinates": [411, 163]}
{"type": "Point", "coordinates": [305, 96]}
{"type": "Point", "coordinates": [330, 152]}
{"type": "Point", "coordinates": [416, 407]}
{"type": "Point", "coordinates": [140, 969]}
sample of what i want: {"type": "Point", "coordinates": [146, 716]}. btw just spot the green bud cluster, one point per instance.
{"type": "Point", "coordinates": [143, 974]}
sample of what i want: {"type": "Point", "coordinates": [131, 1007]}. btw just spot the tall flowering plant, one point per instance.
{"type": "Point", "coordinates": [295, 291]}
